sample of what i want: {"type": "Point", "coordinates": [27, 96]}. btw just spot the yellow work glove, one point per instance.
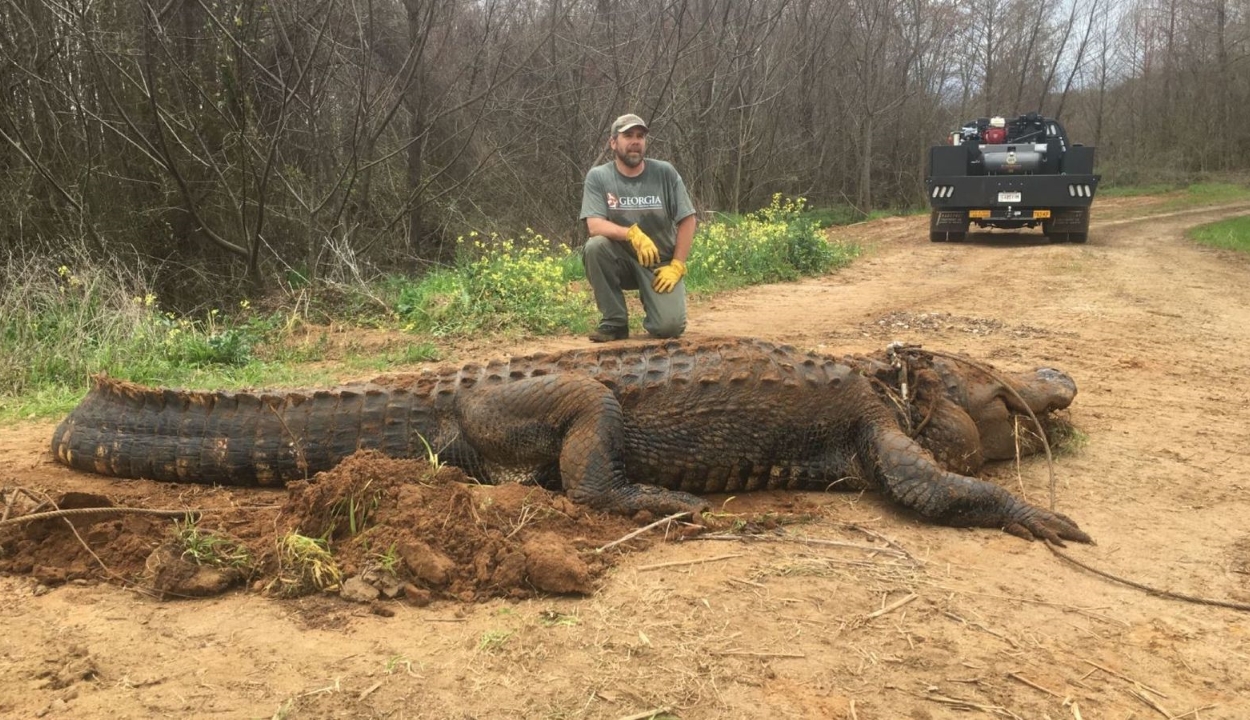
{"type": "Point", "coordinates": [666, 277]}
{"type": "Point", "coordinates": [644, 248]}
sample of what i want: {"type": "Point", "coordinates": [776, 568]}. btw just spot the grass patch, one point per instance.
{"type": "Point", "coordinates": [1230, 234]}
{"type": "Point", "coordinates": [499, 284]}
{"type": "Point", "coordinates": [778, 243]}
{"type": "Point", "coordinates": [1138, 190]}
{"type": "Point", "coordinates": [59, 326]}
{"type": "Point", "coordinates": [1211, 193]}
{"type": "Point", "coordinates": [409, 354]}
{"type": "Point", "coordinates": [353, 513]}
{"type": "Point", "coordinates": [305, 565]}
{"type": "Point", "coordinates": [204, 547]}
{"type": "Point", "coordinates": [492, 641]}
{"type": "Point", "coordinates": [1182, 195]}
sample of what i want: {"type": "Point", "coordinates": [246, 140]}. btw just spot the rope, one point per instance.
{"type": "Point", "coordinates": [123, 511]}
{"type": "Point", "coordinates": [1244, 607]}
{"type": "Point", "coordinates": [1041, 431]}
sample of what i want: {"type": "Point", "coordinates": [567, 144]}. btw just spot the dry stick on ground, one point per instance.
{"type": "Point", "coordinates": [1194, 712]}
{"type": "Point", "coordinates": [95, 511]}
{"type": "Point", "coordinates": [644, 715]}
{"type": "Point", "coordinates": [969, 705]}
{"type": "Point", "coordinates": [1123, 677]}
{"type": "Point", "coordinates": [12, 497]}
{"type": "Point", "coordinates": [1015, 598]}
{"type": "Point", "coordinates": [642, 530]}
{"type": "Point", "coordinates": [888, 541]}
{"type": "Point", "coordinates": [751, 653]}
{"type": "Point", "coordinates": [981, 626]}
{"type": "Point", "coordinates": [806, 541]}
{"type": "Point", "coordinates": [1151, 703]}
{"type": "Point", "coordinates": [697, 561]}
{"type": "Point", "coordinates": [1015, 436]}
{"type": "Point", "coordinates": [1020, 678]}
{"type": "Point", "coordinates": [891, 607]}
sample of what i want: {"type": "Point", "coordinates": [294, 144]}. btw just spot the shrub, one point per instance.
{"type": "Point", "coordinates": [774, 244]}
{"type": "Point", "coordinates": [499, 284]}
{"type": "Point", "coordinates": [59, 326]}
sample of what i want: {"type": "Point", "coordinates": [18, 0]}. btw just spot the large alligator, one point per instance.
{"type": "Point", "coordinates": [706, 416]}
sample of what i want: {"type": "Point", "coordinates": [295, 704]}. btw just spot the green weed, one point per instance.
{"type": "Point", "coordinates": [492, 641]}
{"type": "Point", "coordinates": [356, 510]}
{"type": "Point", "coordinates": [1182, 194]}
{"type": "Point", "coordinates": [498, 284]}
{"type": "Point", "coordinates": [554, 618]}
{"type": "Point", "coordinates": [388, 561]}
{"type": "Point", "coordinates": [1231, 234]}
{"type": "Point", "coordinates": [305, 565]}
{"type": "Point", "coordinates": [777, 243]}
{"type": "Point", "coordinates": [205, 547]}
{"type": "Point", "coordinates": [58, 326]}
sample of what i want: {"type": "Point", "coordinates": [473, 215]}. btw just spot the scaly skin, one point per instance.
{"type": "Point", "coordinates": [621, 428]}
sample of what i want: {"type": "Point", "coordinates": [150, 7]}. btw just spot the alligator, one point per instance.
{"type": "Point", "coordinates": [685, 416]}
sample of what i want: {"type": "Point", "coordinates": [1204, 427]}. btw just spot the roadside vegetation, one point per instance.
{"type": "Point", "coordinates": [1230, 234]}
{"type": "Point", "coordinates": [1181, 196]}
{"type": "Point", "coordinates": [60, 324]}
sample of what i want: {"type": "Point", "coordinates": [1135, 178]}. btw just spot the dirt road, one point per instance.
{"type": "Point", "coordinates": [1156, 332]}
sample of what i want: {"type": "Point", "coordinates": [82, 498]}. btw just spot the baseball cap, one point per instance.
{"type": "Point", "coordinates": [625, 122]}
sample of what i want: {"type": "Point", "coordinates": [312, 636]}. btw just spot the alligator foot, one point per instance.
{"type": "Point", "coordinates": [1029, 522]}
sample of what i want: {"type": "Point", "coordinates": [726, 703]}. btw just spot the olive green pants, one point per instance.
{"type": "Point", "coordinates": [612, 268]}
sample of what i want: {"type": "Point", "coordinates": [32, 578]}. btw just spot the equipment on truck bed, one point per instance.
{"type": "Point", "coordinates": [1011, 173]}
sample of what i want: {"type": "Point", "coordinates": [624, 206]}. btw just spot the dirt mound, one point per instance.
{"type": "Point", "coordinates": [374, 527]}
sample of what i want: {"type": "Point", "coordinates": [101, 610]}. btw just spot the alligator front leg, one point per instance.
{"type": "Point", "coordinates": [913, 479]}
{"type": "Point", "coordinates": [572, 420]}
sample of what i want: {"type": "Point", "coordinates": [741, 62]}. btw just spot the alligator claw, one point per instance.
{"type": "Point", "coordinates": [1052, 526]}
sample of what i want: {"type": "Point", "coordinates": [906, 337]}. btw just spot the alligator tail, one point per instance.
{"type": "Point", "coordinates": [233, 438]}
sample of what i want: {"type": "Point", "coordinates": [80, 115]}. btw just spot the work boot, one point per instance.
{"type": "Point", "coordinates": [608, 333]}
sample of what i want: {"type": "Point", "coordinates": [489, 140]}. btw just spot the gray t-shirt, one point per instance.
{"type": "Point", "coordinates": [656, 200]}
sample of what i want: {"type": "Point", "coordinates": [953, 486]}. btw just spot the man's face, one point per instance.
{"type": "Point", "coordinates": [630, 146]}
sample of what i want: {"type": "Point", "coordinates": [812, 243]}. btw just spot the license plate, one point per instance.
{"type": "Point", "coordinates": [1009, 197]}
{"type": "Point", "coordinates": [978, 213]}
{"type": "Point", "coordinates": [1041, 214]}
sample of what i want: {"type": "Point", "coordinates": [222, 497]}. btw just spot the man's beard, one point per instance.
{"type": "Point", "coordinates": [630, 160]}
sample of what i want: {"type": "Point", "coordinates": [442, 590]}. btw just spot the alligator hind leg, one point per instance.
{"type": "Point", "coordinates": [910, 476]}
{"type": "Point", "coordinates": [569, 419]}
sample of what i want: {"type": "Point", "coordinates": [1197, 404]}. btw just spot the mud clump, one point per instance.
{"type": "Point", "coordinates": [436, 531]}
{"type": "Point", "coordinates": [401, 527]}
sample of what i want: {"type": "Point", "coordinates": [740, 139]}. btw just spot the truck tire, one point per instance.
{"type": "Point", "coordinates": [1078, 237]}
{"type": "Point", "coordinates": [1049, 232]}
{"type": "Point", "coordinates": [937, 236]}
